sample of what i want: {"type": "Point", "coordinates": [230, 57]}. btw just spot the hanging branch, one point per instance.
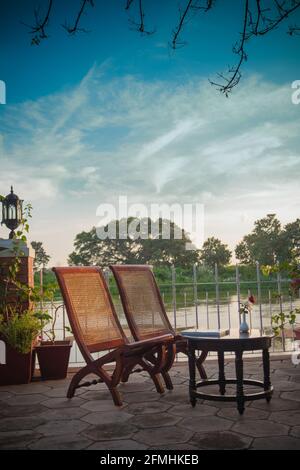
{"type": "Point", "coordinates": [38, 31]}
{"type": "Point", "coordinates": [238, 49]}
{"type": "Point", "coordinates": [75, 28]}
{"type": "Point", "coordinates": [139, 25]}
{"type": "Point", "coordinates": [263, 23]}
{"type": "Point", "coordinates": [183, 19]}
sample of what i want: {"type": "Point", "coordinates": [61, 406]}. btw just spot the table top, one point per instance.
{"type": "Point", "coordinates": [255, 339]}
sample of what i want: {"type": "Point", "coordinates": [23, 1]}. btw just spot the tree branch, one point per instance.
{"type": "Point", "coordinates": [38, 31]}
{"type": "Point", "coordinates": [139, 25]}
{"type": "Point", "coordinates": [75, 28]}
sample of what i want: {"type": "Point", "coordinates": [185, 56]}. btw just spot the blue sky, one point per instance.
{"type": "Point", "coordinates": [112, 113]}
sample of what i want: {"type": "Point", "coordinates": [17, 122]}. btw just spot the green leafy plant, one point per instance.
{"type": "Point", "coordinates": [281, 320]}
{"type": "Point", "coordinates": [20, 330]}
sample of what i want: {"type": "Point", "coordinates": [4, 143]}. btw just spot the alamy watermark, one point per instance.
{"type": "Point", "coordinates": [2, 92]}
{"type": "Point", "coordinates": [189, 217]}
{"type": "Point", "coordinates": [296, 94]}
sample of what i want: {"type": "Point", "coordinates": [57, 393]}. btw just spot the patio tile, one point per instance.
{"type": "Point", "coordinates": [183, 447]}
{"type": "Point", "coordinates": [107, 417]}
{"type": "Point", "coordinates": [276, 404]}
{"type": "Point", "coordinates": [67, 442]}
{"type": "Point", "coordinates": [226, 440]}
{"type": "Point", "coordinates": [259, 428]}
{"type": "Point", "coordinates": [178, 395]}
{"type": "Point", "coordinates": [249, 413]}
{"type": "Point", "coordinates": [54, 428]}
{"type": "Point", "coordinates": [164, 435]}
{"type": "Point", "coordinates": [187, 410]}
{"type": "Point", "coordinates": [22, 411]}
{"type": "Point", "coordinates": [62, 402]}
{"type": "Point", "coordinates": [276, 443]}
{"type": "Point", "coordinates": [106, 432]}
{"type": "Point", "coordinates": [291, 395]}
{"type": "Point", "coordinates": [147, 408]}
{"type": "Point", "coordinates": [61, 392]}
{"type": "Point", "coordinates": [62, 413]}
{"type": "Point", "coordinates": [27, 389]}
{"type": "Point", "coordinates": [20, 424]}
{"type": "Point", "coordinates": [295, 431]}
{"type": "Point", "coordinates": [206, 424]}
{"type": "Point", "coordinates": [21, 400]}
{"type": "Point", "coordinates": [96, 395]}
{"type": "Point", "coordinates": [5, 396]}
{"type": "Point", "coordinates": [100, 405]}
{"type": "Point", "coordinates": [124, 444]}
{"type": "Point", "coordinates": [17, 440]}
{"type": "Point", "coordinates": [135, 387]}
{"type": "Point", "coordinates": [155, 420]}
{"type": "Point", "coordinates": [286, 417]}
{"type": "Point", "coordinates": [141, 397]}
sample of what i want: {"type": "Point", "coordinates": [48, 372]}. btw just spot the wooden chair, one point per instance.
{"type": "Point", "coordinates": [145, 311]}
{"type": "Point", "coordinates": [96, 328]}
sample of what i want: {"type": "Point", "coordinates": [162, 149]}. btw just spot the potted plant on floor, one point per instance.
{"type": "Point", "coordinates": [18, 326]}
{"type": "Point", "coordinates": [53, 355]}
{"type": "Point", "coordinates": [18, 332]}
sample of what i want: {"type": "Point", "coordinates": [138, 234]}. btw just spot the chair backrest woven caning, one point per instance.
{"type": "Point", "coordinates": [89, 306]}
{"type": "Point", "coordinates": [141, 301]}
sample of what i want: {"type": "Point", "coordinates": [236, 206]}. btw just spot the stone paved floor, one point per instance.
{"type": "Point", "coordinates": [38, 416]}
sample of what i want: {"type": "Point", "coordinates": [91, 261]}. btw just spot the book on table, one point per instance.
{"type": "Point", "coordinates": [198, 333]}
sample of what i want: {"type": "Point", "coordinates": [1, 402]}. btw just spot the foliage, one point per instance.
{"type": "Point", "coordinates": [280, 320]}
{"type": "Point", "coordinates": [133, 249]}
{"type": "Point", "coordinates": [20, 330]}
{"type": "Point", "coordinates": [269, 243]}
{"type": "Point", "coordinates": [41, 258]}
{"type": "Point", "coordinates": [214, 252]}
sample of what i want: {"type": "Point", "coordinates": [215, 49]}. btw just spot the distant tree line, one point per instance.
{"type": "Point", "coordinates": [268, 243]}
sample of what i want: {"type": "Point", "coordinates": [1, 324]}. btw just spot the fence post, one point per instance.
{"type": "Point", "coordinates": [259, 293]}
{"type": "Point", "coordinates": [238, 289]}
{"type": "Point", "coordinates": [195, 293]}
{"type": "Point", "coordinates": [280, 306]}
{"type": "Point", "coordinates": [228, 310]}
{"type": "Point", "coordinates": [207, 310]}
{"type": "Point", "coordinates": [174, 294]}
{"type": "Point", "coordinates": [217, 294]}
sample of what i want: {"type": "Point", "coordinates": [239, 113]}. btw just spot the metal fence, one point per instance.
{"type": "Point", "coordinates": [209, 305]}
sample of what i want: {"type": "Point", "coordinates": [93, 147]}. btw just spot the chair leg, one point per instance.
{"type": "Point", "coordinates": [199, 364]}
{"type": "Point", "coordinates": [77, 379]}
{"type": "Point", "coordinates": [116, 396]}
{"type": "Point", "coordinates": [167, 380]}
{"type": "Point", "coordinates": [126, 374]}
{"type": "Point", "coordinates": [158, 383]}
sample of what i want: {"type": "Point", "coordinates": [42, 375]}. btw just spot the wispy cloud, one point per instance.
{"type": "Point", "coordinates": [152, 141]}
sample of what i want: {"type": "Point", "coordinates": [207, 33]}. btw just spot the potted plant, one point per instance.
{"type": "Point", "coordinates": [53, 355]}
{"type": "Point", "coordinates": [18, 332]}
{"type": "Point", "coordinates": [18, 326]}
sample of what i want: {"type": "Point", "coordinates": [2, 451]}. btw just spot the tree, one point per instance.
{"type": "Point", "coordinates": [269, 243]}
{"type": "Point", "coordinates": [143, 248]}
{"type": "Point", "coordinates": [214, 252]}
{"type": "Point", "coordinates": [258, 18]}
{"type": "Point", "coordinates": [41, 258]}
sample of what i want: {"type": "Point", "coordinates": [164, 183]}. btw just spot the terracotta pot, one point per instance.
{"type": "Point", "coordinates": [18, 367]}
{"type": "Point", "coordinates": [54, 359]}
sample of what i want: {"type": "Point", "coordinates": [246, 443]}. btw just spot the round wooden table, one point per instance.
{"type": "Point", "coordinates": [235, 342]}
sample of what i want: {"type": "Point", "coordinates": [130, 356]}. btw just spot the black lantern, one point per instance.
{"type": "Point", "coordinates": [12, 212]}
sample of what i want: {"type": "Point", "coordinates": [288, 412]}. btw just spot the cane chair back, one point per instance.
{"type": "Point", "coordinates": [142, 302]}
{"type": "Point", "coordinates": [91, 313]}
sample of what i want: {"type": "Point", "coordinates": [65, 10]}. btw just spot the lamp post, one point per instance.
{"type": "Point", "coordinates": [12, 212]}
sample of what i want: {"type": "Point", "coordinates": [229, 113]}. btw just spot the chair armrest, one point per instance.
{"type": "Point", "coordinates": [151, 342]}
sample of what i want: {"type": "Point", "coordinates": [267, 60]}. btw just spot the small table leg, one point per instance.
{"type": "Point", "coordinates": [222, 383]}
{"type": "Point", "coordinates": [192, 371]}
{"type": "Point", "coordinates": [266, 367]}
{"type": "Point", "coordinates": [240, 377]}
